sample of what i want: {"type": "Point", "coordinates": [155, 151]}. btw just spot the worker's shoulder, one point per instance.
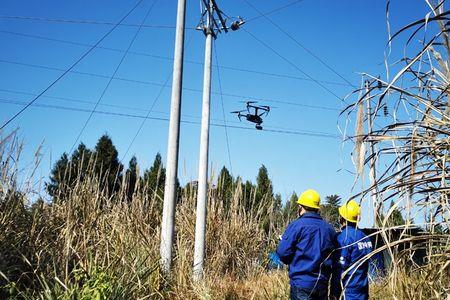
{"type": "Point", "coordinates": [314, 221]}
{"type": "Point", "coordinates": [297, 222]}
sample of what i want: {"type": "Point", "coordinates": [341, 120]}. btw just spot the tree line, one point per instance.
{"type": "Point", "coordinates": [102, 163]}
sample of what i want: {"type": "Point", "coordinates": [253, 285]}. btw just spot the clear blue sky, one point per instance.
{"type": "Point", "coordinates": [349, 35]}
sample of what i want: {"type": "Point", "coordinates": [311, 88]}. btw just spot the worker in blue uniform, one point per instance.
{"type": "Point", "coordinates": [306, 247]}
{"type": "Point", "coordinates": [351, 262]}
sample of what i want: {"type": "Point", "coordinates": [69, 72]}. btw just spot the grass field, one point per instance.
{"type": "Point", "coordinates": [94, 246]}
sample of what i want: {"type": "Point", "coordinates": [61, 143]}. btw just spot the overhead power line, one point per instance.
{"type": "Point", "coordinates": [110, 79]}
{"type": "Point", "coordinates": [87, 22]}
{"type": "Point", "coordinates": [101, 22]}
{"type": "Point", "coordinates": [231, 68]}
{"type": "Point", "coordinates": [138, 131]}
{"type": "Point", "coordinates": [273, 11]}
{"type": "Point", "coordinates": [223, 110]}
{"type": "Point", "coordinates": [146, 116]}
{"type": "Point", "coordinates": [70, 68]}
{"type": "Point", "coordinates": [119, 114]}
{"type": "Point", "coordinates": [292, 38]}
{"type": "Point", "coordinates": [291, 63]}
{"type": "Point", "coordinates": [167, 86]}
{"type": "Point", "coordinates": [122, 107]}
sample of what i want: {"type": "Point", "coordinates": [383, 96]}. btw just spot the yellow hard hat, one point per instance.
{"type": "Point", "coordinates": [350, 211]}
{"type": "Point", "coordinates": [309, 198]}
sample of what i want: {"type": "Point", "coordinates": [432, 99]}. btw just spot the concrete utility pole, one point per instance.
{"type": "Point", "coordinates": [210, 28]}
{"type": "Point", "coordinates": [170, 192]}
{"type": "Point", "coordinates": [202, 194]}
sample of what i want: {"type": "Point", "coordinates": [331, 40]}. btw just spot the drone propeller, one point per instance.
{"type": "Point", "coordinates": [251, 104]}
{"type": "Point", "coordinates": [238, 112]}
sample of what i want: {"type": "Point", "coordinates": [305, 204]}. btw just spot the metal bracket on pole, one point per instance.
{"type": "Point", "coordinates": [214, 21]}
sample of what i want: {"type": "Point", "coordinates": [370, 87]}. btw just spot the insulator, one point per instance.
{"type": "Point", "coordinates": [235, 25]}
{"type": "Point", "coordinates": [385, 111]}
{"type": "Point", "coordinates": [379, 86]}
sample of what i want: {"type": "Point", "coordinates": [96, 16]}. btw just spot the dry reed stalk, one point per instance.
{"type": "Point", "coordinates": [413, 143]}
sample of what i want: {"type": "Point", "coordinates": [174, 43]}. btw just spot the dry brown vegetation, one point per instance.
{"type": "Point", "coordinates": [96, 244]}
{"type": "Point", "coordinates": [405, 119]}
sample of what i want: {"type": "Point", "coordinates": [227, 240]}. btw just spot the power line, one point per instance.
{"type": "Point", "coordinates": [292, 64]}
{"type": "Point", "coordinates": [25, 35]}
{"type": "Point", "coordinates": [277, 75]}
{"type": "Point", "coordinates": [76, 100]}
{"type": "Point", "coordinates": [110, 79]}
{"type": "Point", "coordinates": [146, 117]}
{"type": "Point", "coordinates": [119, 114]}
{"type": "Point", "coordinates": [84, 101]}
{"type": "Point", "coordinates": [87, 22]}
{"type": "Point", "coordinates": [70, 68]}
{"type": "Point", "coordinates": [274, 10]}
{"type": "Point", "coordinates": [70, 99]}
{"type": "Point", "coordinates": [299, 44]}
{"type": "Point", "coordinates": [223, 110]}
{"type": "Point", "coordinates": [100, 22]}
{"type": "Point", "coordinates": [184, 88]}
{"type": "Point", "coordinates": [152, 106]}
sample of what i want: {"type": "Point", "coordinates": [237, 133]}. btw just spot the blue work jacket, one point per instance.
{"type": "Point", "coordinates": [306, 246]}
{"type": "Point", "coordinates": [353, 245]}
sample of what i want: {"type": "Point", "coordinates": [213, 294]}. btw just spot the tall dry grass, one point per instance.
{"type": "Point", "coordinates": [96, 245]}
{"type": "Point", "coordinates": [407, 123]}
{"type": "Point", "coordinates": [93, 244]}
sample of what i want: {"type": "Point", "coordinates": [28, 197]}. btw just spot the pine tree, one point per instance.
{"type": "Point", "coordinates": [60, 181]}
{"type": "Point", "coordinates": [102, 163]}
{"type": "Point", "coordinates": [291, 208]}
{"type": "Point", "coordinates": [132, 177]}
{"type": "Point", "coordinates": [277, 210]}
{"type": "Point", "coordinates": [248, 193]}
{"type": "Point", "coordinates": [67, 171]}
{"type": "Point", "coordinates": [395, 218]}
{"type": "Point", "coordinates": [330, 210]}
{"type": "Point", "coordinates": [154, 180]}
{"type": "Point", "coordinates": [225, 188]}
{"type": "Point", "coordinates": [107, 165]}
{"type": "Point", "coordinates": [264, 190]}
{"type": "Point", "coordinates": [266, 203]}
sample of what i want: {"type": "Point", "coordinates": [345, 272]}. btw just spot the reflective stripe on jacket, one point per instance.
{"type": "Point", "coordinates": [306, 246]}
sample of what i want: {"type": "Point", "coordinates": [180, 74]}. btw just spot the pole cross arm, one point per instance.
{"type": "Point", "coordinates": [213, 20]}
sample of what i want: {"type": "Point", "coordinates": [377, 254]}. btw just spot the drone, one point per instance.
{"type": "Point", "coordinates": [256, 116]}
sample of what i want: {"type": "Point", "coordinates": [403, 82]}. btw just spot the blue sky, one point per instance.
{"type": "Point", "coordinates": [349, 35]}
